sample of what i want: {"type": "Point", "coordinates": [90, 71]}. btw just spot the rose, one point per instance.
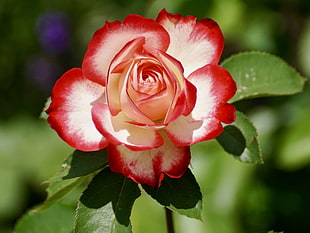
{"type": "Point", "coordinates": [147, 90]}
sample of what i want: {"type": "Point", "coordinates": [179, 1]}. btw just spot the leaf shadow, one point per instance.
{"type": "Point", "coordinates": [83, 163]}
{"type": "Point", "coordinates": [107, 187]}
{"type": "Point", "coordinates": [181, 193]}
{"type": "Point", "coordinates": [232, 140]}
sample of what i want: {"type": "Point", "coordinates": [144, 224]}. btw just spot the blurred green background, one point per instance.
{"type": "Point", "coordinates": [40, 39]}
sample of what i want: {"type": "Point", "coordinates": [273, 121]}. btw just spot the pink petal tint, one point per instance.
{"type": "Point", "coordinates": [193, 43]}
{"type": "Point", "coordinates": [118, 131]}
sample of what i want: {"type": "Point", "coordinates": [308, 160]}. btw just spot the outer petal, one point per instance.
{"type": "Point", "coordinates": [118, 131]}
{"type": "Point", "coordinates": [191, 96]}
{"type": "Point", "coordinates": [215, 87]}
{"type": "Point", "coordinates": [186, 131]}
{"type": "Point", "coordinates": [193, 43]}
{"type": "Point", "coordinates": [112, 37]}
{"type": "Point", "coordinates": [149, 167]}
{"type": "Point", "coordinates": [70, 111]}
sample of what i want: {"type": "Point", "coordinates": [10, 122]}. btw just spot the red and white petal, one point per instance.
{"type": "Point", "coordinates": [118, 131]}
{"type": "Point", "coordinates": [215, 87]}
{"type": "Point", "coordinates": [193, 43]}
{"type": "Point", "coordinates": [149, 167]}
{"type": "Point", "coordinates": [108, 41]}
{"type": "Point", "coordinates": [191, 96]}
{"type": "Point", "coordinates": [186, 131]}
{"type": "Point", "coordinates": [70, 111]}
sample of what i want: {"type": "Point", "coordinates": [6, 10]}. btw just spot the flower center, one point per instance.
{"type": "Point", "coordinates": [146, 85]}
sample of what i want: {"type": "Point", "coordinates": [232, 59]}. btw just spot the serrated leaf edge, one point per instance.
{"type": "Point", "coordinates": [254, 95]}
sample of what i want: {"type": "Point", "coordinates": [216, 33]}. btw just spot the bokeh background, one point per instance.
{"type": "Point", "coordinates": [41, 39]}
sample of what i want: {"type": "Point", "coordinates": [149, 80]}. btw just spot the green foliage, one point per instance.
{"type": "Point", "coordinates": [73, 172]}
{"type": "Point", "coordinates": [108, 188]}
{"type": "Point", "coordinates": [29, 153]}
{"type": "Point", "coordinates": [103, 220]}
{"type": "Point", "coordinates": [81, 163]}
{"type": "Point", "coordinates": [84, 163]}
{"type": "Point", "coordinates": [232, 140]}
{"type": "Point", "coordinates": [294, 152]}
{"type": "Point", "coordinates": [181, 195]}
{"type": "Point", "coordinates": [241, 140]}
{"type": "Point", "coordinates": [257, 74]}
{"type": "Point", "coordinates": [57, 190]}
{"type": "Point", "coordinates": [260, 74]}
{"type": "Point", "coordinates": [59, 218]}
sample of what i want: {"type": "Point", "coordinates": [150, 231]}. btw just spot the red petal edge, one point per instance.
{"type": "Point", "coordinates": [215, 87]}
{"type": "Point", "coordinates": [149, 167]}
{"type": "Point", "coordinates": [70, 114]}
{"type": "Point", "coordinates": [109, 40]}
{"type": "Point", "coordinates": [201, 42]}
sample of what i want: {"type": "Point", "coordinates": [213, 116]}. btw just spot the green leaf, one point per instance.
{"type": "Point", "coordinates": [65, 167]}
{"type": "Point", "coordinates": [57, 190]}
{"type": "Point", "coordinates": [73, 173]}
{"type": "Point", "coordinates": [43, 114]}
{"type": "Point", "coordinates": [84, 163]}
{"type": "Point", "coordinates": [107, 188]}
{"type": "Point", "coordinates": [81, 163]}
{"type": "Point", "coordinates": [232, 140]}
{"type": "Point", "coordinates": [259, 74]}
{"type": "Point", "coordinates": [179, 194]}
{"type": "Point", "coordinates": [240, 140]}
{"type": "Point", "coordinates": [101, 220]}
{"type": "Point", "coordinates": [58, 218]}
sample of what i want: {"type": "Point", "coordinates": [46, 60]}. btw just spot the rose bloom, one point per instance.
{"type": "Point", "coordinates": [147, 90]}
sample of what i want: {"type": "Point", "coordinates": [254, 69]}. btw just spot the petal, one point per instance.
{"type": "Point", "coordinates": [226, 113]}
{"type": "Point", "coordinates": [118, 96]}
{"type": "Point", "coordinates": [193, 43]}
{"type": "Point", "coordinates": [175, 76]}
{"type": "Point", "coordinates": [149, 167]}
{"type": "Point", "coordinates": [108, 41]}
{"type": "Point", "coordinates": [70, 111]}
{"type": "Point", "coordinates": [186, 131]}
{"type": "Point", "coordinates": [191, 96]}
{"type": "Point", "coordinates": [215, 87]}
{"type": "Point", "coordinates": [129, 105]}
{"type": "Point", "coordinates": [119, 131]}
{"type": "Point", "coordinates": [127, 53]}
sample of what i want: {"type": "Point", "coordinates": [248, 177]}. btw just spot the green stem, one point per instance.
{"type": "Point", "coordinates": [169, 221]}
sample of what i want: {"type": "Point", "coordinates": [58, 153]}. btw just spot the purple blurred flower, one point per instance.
{"type": "Point", "coordinates": [43, 72]}
{"type": "Point", "coordinates": [53, 31]}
